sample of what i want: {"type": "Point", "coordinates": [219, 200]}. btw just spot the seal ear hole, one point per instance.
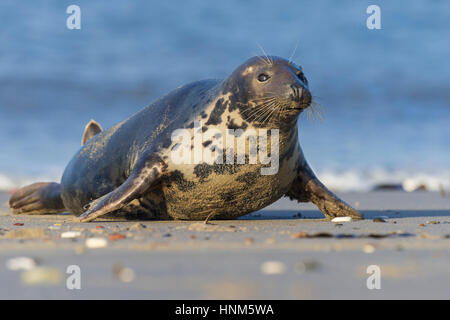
{"type": "Point", "coordinates": [262, 77]}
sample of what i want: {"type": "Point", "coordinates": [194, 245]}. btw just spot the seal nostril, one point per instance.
{"type": "Point", "coordinates": [297, 92]}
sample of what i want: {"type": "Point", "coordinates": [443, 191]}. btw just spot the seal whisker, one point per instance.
{"type": "Point", "coordinates": [267, 118]}
{"type": "Point", "coordinates": [259, 110]}
{"type": "Point", "coordinates": [263, 60]}
{"type": "Point", "coordinates": [281, 109]}
{"type": "Point", "coordinates": [268, 111]}
{"type": "Point", "coordinates": [259, 107]}
{"type": "Point", "coordinates": [249, 113]}
{"type": "Point", "coordinates": [315, 112]}
{"type": "Point", "coordinates": [265, 98]}
{"type": "Point", "coordinates": [269, 62]}
{"type": "Point", "coordinates": [293, 52]}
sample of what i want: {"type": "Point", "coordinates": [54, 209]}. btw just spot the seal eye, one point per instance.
{"type": "Point", "coordinates": [263, 77]}
{"type": "Point", "coordinates": [302, 77]}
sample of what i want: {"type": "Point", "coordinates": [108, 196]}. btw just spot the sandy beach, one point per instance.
{"type": "Point", "coordinates": [286, 251]}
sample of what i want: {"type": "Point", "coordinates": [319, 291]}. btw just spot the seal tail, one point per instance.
{"type": "Point", "coordinates": [37, 198]}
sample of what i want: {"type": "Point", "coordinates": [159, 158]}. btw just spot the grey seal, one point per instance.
{"type": "Point", "coordinates": [128, 169]}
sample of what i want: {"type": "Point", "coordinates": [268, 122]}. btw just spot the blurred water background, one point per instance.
{"type": "Point", "coordinates": [385, 93]}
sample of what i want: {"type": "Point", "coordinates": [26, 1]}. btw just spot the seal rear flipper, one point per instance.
{"type": "Point", "coordinates": [92, 128]}
{"type": "Point", "coordinates": [307, 188]}
{"type": "Point", "coordinates": [143, 176]}
{"type": "Point", "coordinates": [37, 198]}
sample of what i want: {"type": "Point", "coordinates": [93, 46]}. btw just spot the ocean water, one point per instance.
{"type": "Point", "coordinates": [385, 94]}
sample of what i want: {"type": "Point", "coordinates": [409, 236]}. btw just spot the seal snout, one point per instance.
{"type": "Point", "coordinates": [301, 96]}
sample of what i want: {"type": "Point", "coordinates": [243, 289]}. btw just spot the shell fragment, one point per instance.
{"type": "Point", "coordinates": [342, 219]}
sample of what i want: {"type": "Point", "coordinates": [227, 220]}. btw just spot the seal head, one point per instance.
{"type": "Point", "coordinates": [269, 89]}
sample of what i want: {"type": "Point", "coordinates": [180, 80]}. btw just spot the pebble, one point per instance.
{"type": "Point", "coordinates": [95, 243]}
{"type": "Point", "coordinates": [80, 250]}
{"type": "Point", "coordinates": [124, 274]}
{"type": "Point", "coordinates": [307, 265]}
{"type": "Point", "coordinates": [116, 236]}
{"type": "Point", "coordinates": [345, 236]}
{"type": "Point", "coordinates": [26, 233]}
{"type": "Point", "coordinates": [342, 219]}
{"type": "Point", "coordinates": [249, 241]}
{"type": "Point", "coordinates": [369, 248]}
{"type": "Point", "coordinates": [321, 235]}
{"type": "Point", "coordinates": [424, 235]}
{"type": "Point", "coordinates": [21, 263]}
{"type": "Point", "coordinates": [201, 227]}
{"type": "Point", "coordinates": [273, 267]}
{"type": "Point", "coordinates": [138, 226]}
{"type": "Point", "coordinates": [70, 234]}
{"type": "Point", "coordinates": [299, 235]}
{"type": "Point", "coordinates": [42, 276]}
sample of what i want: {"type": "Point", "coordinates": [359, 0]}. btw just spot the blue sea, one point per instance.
{"type": "Point", "coordinates": [385, 93]}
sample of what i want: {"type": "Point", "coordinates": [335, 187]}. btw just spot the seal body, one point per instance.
{"type": "Point", "coordinates": [130, 170]}
{"type": "Point", "coordinates": [187, 191]}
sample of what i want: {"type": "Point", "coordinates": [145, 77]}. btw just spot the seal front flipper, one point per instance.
{"type": "Point", "coordinates": [37, 198]}
{"type": "Point", "coordinates": [307, 188]}
{"type": "Point", "coordinates": [146, 172]}
{"type": "Point", "coordinates": [92, 128]}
